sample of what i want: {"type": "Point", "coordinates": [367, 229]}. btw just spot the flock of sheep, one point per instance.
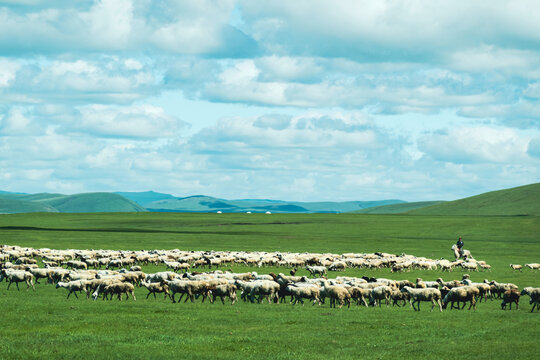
{"type": "Point", "coordinates": [80, 271]}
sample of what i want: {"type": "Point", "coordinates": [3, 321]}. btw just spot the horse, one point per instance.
{"type": "Point", "coordinates": [466, 254]}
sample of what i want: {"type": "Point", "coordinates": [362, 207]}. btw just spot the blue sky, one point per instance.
{"type": "Point", "coordinates": [294, 100]}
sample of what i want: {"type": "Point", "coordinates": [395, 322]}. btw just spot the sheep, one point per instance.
{"type": "Point", "coordinates": [533, 266]}
{"type": "Point", "coordinates": [74, 264]}
{"type": "Point", "coordinates": [197, 287]}
{"type": "Point", "coordinates": [154, 288]}
{"type": "Point", "coordinates": [380, 293]}
{"type": "Point", "coordinates": [516, 267]}
{"type": "Point", "coordinates": [264, 288]}
{"type": "Point", "coordinates": [119, 288]}
{"type": "Point", "coordinates": [177, 286]}
{"type": "Point", "coordinates": [42, 274]}
{"type": "Point", "coordinates": [428, 294]}
{"type": "Point", "coordinates": [470, 266]}
{"type": "Point", "coordinates": [135, 268]}
{"type": "Point", "coordinates": [397, 295]}
{"type": "Point", "coordinates": [316, 270]}
{"type": "Point", "coordinates": [421, 284]}
{"type": "Point", "coordinates": [134, 277]}
{"type": "Point", "coordinates": [485, 289]}
{"type": "Point", "coordinates": [225, 290]}
{"type": "Point", "coordinates": [449, 284]}
{"type": "Point", "coordinates": [461, 294]}
{"type": "Point", "coordinates": [304, 292]}
{"type": "Point", "coordinates": [510, 296]}
{"type": "Point", "coordinates": [337, 266]}
{"type": "Point", "coordinates": [499, 288]}
{"type": "Point", "coordinates": [337, 293]}
{"type": "Point", "coordinates": [73, 286]}
{"type": "Point", "coordinates": [359, 294]}
{"type": "Point", "coordinates": [17, 276]}
{"type": "Point", "coordinates": [534, 294]}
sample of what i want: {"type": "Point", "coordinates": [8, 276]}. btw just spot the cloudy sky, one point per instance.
{"type": "Point", "coordinates": [296, 100]}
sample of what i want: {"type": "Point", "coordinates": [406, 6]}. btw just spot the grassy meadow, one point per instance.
{"type": "Point", "coordinates": [46, 325]}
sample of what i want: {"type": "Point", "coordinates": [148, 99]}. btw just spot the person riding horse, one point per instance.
{"type": "Point", "coordinates": [459, 245]}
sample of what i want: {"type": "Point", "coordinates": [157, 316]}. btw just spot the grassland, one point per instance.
{"type": "Point", "coordinates": [521, 200]}
{"type": "Point", "coordinates": [45, 325]}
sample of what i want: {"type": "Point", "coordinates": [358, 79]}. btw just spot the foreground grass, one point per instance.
{"type": "Point", "coordinates": [46, 325]}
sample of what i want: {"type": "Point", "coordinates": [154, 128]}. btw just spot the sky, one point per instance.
{"type": "Point", "coordinates": [293, 100]}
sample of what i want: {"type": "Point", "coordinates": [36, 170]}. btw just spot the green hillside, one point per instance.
{"type": "Point", "coordinates": [88, 202]}
{"type": "Point", "coordinates": [15, 206]}
{"type": "Point", "coordinates": [397, 208]}
{"type": "Point", "coordinates": [146, 197]}
{"type": "Point", "coordinates": [522, 200]}
{"type": "Point", "coordinates": [93, 202]}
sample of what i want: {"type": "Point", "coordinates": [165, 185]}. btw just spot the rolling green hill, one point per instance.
{"type": "Point", "coordinates": [397, 208]}
{"type": "Point", "coordinates": [15, 206]}
{"type": "Point", "coordinates": [146, 197]}
{"type": "Point", "coordinates": [78, 203]}
{"type": "Point", "coordinates": [522, 200]}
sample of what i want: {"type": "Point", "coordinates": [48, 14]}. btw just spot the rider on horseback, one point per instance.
{"type": "Point", "coordinates": [459, 245]}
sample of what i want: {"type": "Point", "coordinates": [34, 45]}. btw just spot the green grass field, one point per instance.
{"type": "Point", "coordinates": [46, 325]}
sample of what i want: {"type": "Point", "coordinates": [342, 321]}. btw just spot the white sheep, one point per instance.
{"type": "Point", "coordinates": [73, 286]}
{"type": "Point", "coordinates": [300, 293]}
{"type": "Point", "coordinates": [17, 276]}
{"type": "Point", "coordinates": [428, 294]}
{"type": "Point", "coordinates": [316, 270]}
{"type": "Point", "coordinates": [461, 294]}
{"type": "Point", "coordinates": [337, 293]}
{"type": "Point", "coordinates": [533, 266]}
{"type": "Point", "coordinates": [516, 267]}
{"type": "Point", "coordinates": [534, 294]}
{"type": "Point", "coordinates": [380, 293]}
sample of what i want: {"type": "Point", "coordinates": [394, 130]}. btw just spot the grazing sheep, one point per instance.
{"type": "Point", "coordinates": [359, 294]}
{"type": "Point", "coordinates": [397, 295]}
{"type": "Point", "coordinates": [380, 293]}
{"type": "Point", "coordinates": [498, 289]}
{"type": "Point", "coordinates": [533, 266]}
{"type": "Point", "coordinates": [428, 294]}
{"type": "Point", "coordinates": [337, 293]}
{"type": "Point", "coordinates": [299, 293]}
{"type": "Point", "coordinates": [534, 294]}
{"type": "Point", "coordinates": [265, 289]}
{"type": "Point", "coordinates": [337, 266]}
{"type": "Point", "coordinates": [316, 270]}
{"type": "Point", "coordinates": [449, 284]}
{"type": "Point", "coordinates": [509, 297]}
{"type": "Point", "coordinates": [198, 287]}
{"type": "Point", "coordinates": [42, 274]}
{"type": "Point", "coordinates": [516, 267]}
{"type": "Point", "coordinates": [73, 286]}
{"type": "Point", "coordinates": [461, 294]}
{"type": "Point", "coordinates": [225, 290]}
{"type": "Point", "coordinates": [17, 276]}
{"type": "Point", "coordinates": [154, 288]}
{"type": "Point", "coordinates": [119, 288]}
{"type": "Point", "coordinates": [483, 288]}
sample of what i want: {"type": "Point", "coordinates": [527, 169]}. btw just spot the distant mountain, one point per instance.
{"type": "Point", "coordinates": [397, 208]}
{"type": "Point", "coordinates": [78, 203]}
{"type": "Point", "coordinates": [522, 200]}
{"type": "Point", "coordinates": [201, 203]}
{"type": "Point", "coordinates": [146, 197]}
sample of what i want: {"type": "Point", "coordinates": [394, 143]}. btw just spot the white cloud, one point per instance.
{"type": "Point", "coordinates": [8, 70]}
{"type": "Point", "coordinates": [144, 121]}
{"type": "Point", "coordinates": [476, 145]}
